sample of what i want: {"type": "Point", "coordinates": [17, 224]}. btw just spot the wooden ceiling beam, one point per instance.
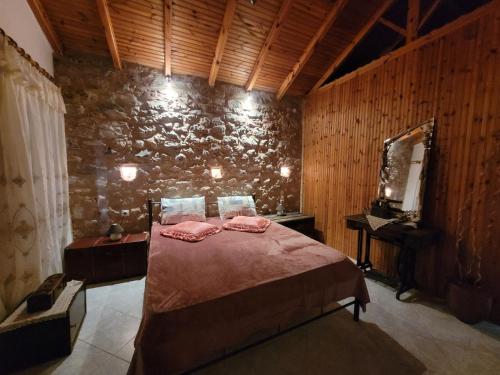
{"type": "Point", "coordinates": [359, 36]}
{"type": "Point", "coordinates": [102, 7]}
{"type": "Point", "coordinates": [412, 20]}
{"type": "Point", "coordinates": [432, 36]}
{"type": "Point", "coordinates": [271, 37]}
{"type": "Point", "coordinates": [392, 25]}
{"type": "Point", "coordinates": [221, 42]}
{"type": "Point", "coordinates": [311, 46]}
{"type": "Point", "coordinates": [429, 13]}
{"type": "Point", "coordinates": [47, 28]}
{"type": "Point", "coordinates": [423, 21]}
{"type": "Point", "coordinates": [167, 15]}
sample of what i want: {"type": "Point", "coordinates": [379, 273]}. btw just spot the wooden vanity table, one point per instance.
{"type": "Point", "coordinates": [408, 239]}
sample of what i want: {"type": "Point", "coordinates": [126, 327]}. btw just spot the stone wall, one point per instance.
{"type": "Point", "coordinates": [174, 131]}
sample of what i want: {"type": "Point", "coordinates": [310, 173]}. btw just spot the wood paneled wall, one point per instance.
{"type": "Point", "coordinates": [452, 75]}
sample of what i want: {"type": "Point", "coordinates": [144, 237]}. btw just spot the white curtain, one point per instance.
{"type": "Point", "coordinates": [35, 223]}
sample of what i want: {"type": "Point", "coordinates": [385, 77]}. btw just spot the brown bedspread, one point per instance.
{"type": "Point", "coordinates": [205, 299]}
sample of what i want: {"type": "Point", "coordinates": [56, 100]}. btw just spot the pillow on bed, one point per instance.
{"type": "Point", "coordinates": [177, 210]}
{"type": "Point", "coordinates": [191, 231]}
{"type": "Point", "coordinates": [254, 224]}
{"type": "Point", "coordinates": [230, 207]}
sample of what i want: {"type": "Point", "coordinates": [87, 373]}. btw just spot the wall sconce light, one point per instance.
{"type": "Point", "coordinates": [388, 192]}
{"type": "Point", "coordinates": [216, 172]}
{"type": "Point", "coordinates": [248, 102]}
{"type": "Point", "coordinates": [285, 171]}
{"type": "Point", "coordinates": [128, 172]}
{"type": "Point", "coordinates": [169, 91]}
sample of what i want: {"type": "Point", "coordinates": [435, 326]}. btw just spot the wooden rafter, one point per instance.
{"type": "Point", "coordinates": [221, 42]}
{"type": "Point", "coordinates": [359, 36]}
{"type": "Point", "coordinates": [392, 25]}
{"type": "Point", "coordinates": [318, 36]}
{"type": "Point", "coordinates": [167, 14]}
{"type": "Point", "coordinates": [412, 20]}
{"type": "Point", "coordinates": [434, 35]}
{"type": "Point", "coordinates": [424, 19]}
{"type": "Point", "coordinates": [44, 21]}
{"type": "Point", "coordinates": [429, 13]}
{"type": "Point", "coordinates": [102, 7]}
{"type": "Point", "coordinates": [271, 37]}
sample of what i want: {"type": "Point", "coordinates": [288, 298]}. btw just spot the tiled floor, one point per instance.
{"type": "Point", "coordinates": [429, 334]}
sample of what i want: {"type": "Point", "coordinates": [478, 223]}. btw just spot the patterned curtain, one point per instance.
{"type": "Point", "coordinates": [35, 223]}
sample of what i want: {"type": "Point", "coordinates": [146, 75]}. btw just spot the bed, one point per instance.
{"type": "Point", "coordinates": [207, 299]}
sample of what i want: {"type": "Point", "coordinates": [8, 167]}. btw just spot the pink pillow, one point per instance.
{"type": "Point", "coordinates": [253, 224]}
{"type": "Point", "coordinates": [191, 231]}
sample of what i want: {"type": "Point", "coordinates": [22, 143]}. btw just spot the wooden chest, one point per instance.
{"type": "Point", "coordinates": [100, 259]}
{"type": "Point", "coordinates": [29, 339]}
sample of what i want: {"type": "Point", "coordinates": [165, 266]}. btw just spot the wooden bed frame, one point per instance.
{"type": "Point", "coordinates": [355, 302]}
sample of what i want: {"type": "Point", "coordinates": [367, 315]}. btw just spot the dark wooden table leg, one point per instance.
{"type": "Point", "coordinates": [360, 247]}
{"type": "Point", "coordinates": [367, 262]}
{"type": "Point", "coordinates": [356, 310]}
{"type": "Point", "coordinates": [406, 270]}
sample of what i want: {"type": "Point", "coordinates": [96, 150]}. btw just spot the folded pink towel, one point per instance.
{"type": "Point", "coordinates": [253, 224]}
{"type": "Point", "coordinates": [191, 231]}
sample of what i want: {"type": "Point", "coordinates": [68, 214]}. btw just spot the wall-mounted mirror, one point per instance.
{"type": "Point", "coordinates": [403, 173]}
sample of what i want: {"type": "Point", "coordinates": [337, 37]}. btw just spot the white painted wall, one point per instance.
{"type": "Point", "coordinates": [19, 22]}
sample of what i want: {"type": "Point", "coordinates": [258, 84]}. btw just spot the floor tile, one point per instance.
{"type": "Point", "coordinates": [85, 360]}
{"type": "Point", "coordinates": [414, 330]}
{"type": "Point", "coordinates": [126, 351]}
{"type": "Point", "coordinates": [108, 329]}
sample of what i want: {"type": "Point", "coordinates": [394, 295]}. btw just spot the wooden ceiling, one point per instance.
{"type": "Point", "coordinates": [282, 46]}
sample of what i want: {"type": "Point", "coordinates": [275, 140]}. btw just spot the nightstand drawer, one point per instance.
{"type": "Point", "coordinates": [296, 221]}
{"type": "Point", "coordinates": [100, 259]}
{"type": "Point", "coordinates": [108, 263]}
{"type": "Point", "coordinates": [135, 260]}
{"type": "Point", "coordinates": [304, 227]}
{"type": "Point", "coordinates": [77, 264]}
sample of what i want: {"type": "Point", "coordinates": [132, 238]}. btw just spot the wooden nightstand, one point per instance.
{"type": "Point", "coordinates": [100, 259]}
{"type": "Point", "coordinates": [296, 221]}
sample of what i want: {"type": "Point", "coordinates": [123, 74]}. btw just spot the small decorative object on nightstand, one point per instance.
{"type": "Point", "coordinates": [280, 209]}
{"type": "Point", "coordinates": [296, 221]}
{"type": "Point", "coordinates": [115, 232]}
{"type": "Point", "coordinates": [101, 259]}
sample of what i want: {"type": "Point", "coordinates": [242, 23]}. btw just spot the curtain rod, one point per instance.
{"type": "Point", "coordinates": [23, 53]}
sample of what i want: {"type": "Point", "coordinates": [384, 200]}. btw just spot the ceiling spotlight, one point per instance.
{"type": "Point", "coordinates": [252, 2]}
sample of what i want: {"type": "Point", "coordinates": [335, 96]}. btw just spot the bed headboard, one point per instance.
{"type": "Point", "coordinates": [152, 204]}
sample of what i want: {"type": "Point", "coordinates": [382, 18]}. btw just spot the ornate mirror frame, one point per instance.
{"type": "Point", "coordinates": [426, 129]}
